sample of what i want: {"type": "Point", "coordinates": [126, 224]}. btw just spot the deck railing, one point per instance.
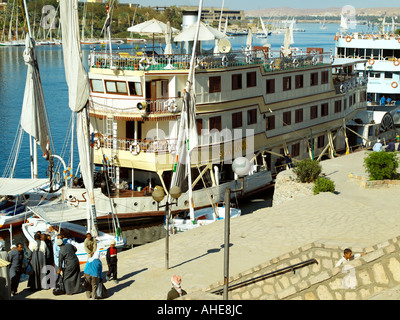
{"type": "Point", "coordinates": [271, 60]}
{"type": "Point", "coordinates": [135, 146]}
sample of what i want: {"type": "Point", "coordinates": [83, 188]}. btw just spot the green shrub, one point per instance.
{"type": "Point", "coordinates": [323, 185]}
{"type": "Point", "coordinates": [381, 165]}
{"type": "Point", "coordinates": [307, 170]}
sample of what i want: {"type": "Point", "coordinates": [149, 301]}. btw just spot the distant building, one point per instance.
{"type": "Point", "coordinates": [95, 1]}
{"type": "Point", "coordinates": [209, 15]}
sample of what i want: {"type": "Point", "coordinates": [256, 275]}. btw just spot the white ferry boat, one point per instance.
{"type": "Point", "coordinates": [248, 103]}
{"type": "Point", "coordinates": [378, 56]}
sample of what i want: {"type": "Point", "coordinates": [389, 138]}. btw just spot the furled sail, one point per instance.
{"type": "Point", "coordinates": [33, 114]}
{"type": "Point", "coordinates": [78, 89]}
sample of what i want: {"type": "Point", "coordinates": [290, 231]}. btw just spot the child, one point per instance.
{"type": "Point", "coordinates": [112, 260]}
{"type": "Point", "coordinates": [348, 256]}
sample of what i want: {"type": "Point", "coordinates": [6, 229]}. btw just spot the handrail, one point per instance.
{"type": "Point", "coordinates": [268, 275]}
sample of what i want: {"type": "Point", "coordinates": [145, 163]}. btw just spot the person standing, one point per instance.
{"type": "Point", "coordinates": [68, 263]}
{"type": "Point", "coordinates": [16, 257]}
{"type": "Point", "coordinates": [92, 273]}
{"type": "Point", "coordinates": [112, 260]}
{"type": "Point", "coordinates": [37, 260]}
{"type": "Point", "coordinates": [377, 146]}
{"type": "Point", "coordinates": [5, 283]}
{"type": "Point", "coordinates": [90, 245]}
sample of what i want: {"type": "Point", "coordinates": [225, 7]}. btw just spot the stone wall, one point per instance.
{"type": "Point", "coordinates": [361, 279]}
{"type": "Point", "coordinates": [286, 187]}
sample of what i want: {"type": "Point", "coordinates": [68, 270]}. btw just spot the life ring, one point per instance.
{"type": "Point", "coordinates": [398, 40]}
{"type": "Point", "coordinates": [172, 106]}
{"type": "Point", "coordinates": [144, 64]}
{"type": "Point", "coordinates": [342, 89]}
{"type": "Point", "coordinates": [396, 62]}
{"type": "Point", "coordinates": [134, 148]}
{"type": "Point", "coordinates": [394, 84]}
{"type": "Point", "coordinates": [314, 60]}
{"type": "Point", "coordinates": [224, 61]}
{"type": "Point", "coordinates": [348, 39]}
{"type": "Point", "coordinates": [98, 64]}
{"type": "Point", "coordinates": [248, 58]}
{"type": "Point", "coordinates": [371, 61]}
{"type": "Point", "coordinates": [295, 63]}
{"type": "Point", "coordinates": [96, 144]}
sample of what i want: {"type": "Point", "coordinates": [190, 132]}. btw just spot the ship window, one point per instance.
{"type": "Point", "coordinates": [324, 109]}
{"type": "Point", "coordinates": [270, 86]}
{"type": "Point", "coordinates": [324, 77]}
{"type": "Point", "coordinates": [314, 112]}
{"type": "Point", "coordinates": [363, 96]}
{"type": "Point", "coordinates": [299, 81]}
{"type": "Point", "coordinates": [388, 75]}
{"type": "Point", "coordinates": [215, 84]}
{"type": "Point", "coordinates": [252, 116]}
{"type": "Point", "coordinates": [375, 53]}
{"type": "Point", "coordinates": [368, 53]}
{"type": "Point", "coordinates": [270, 123]}
{"type": "Point", "coordinates": [199, 125]}
{"type": "Point", "coordinates": [135, 88]}
{"type": "Point", "coordinates": [118, 87]}
{"type": "Point", "coordinates": [236, 120]}
{"type": "Point", "coordinates": [236, 81]}
{"type": "Point", "coordinates": [298, 116]}
{"type": "Point", "coordinates": [215, 123]}
{"type": "Point", "coordinates": [287, 83]}
{"type": "Point", "coordinates": [251, 79]}
{"type": "Point", "coordinates": [97, 85]}
{"type": "Point", "coordinates": [287, 118]}
{"type": "Point", "coordinates": [314, 79]}
{"type": "Point", "coordinates": [321, 141]}
{"type": "Point", "coordinates": [338, 106]}
{"type": "Point", "coordinates": [396, 54]}
{"type": "Point", "coordinates": [295, 150]}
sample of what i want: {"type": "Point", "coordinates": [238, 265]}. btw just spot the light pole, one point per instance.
{"type": "Point", "coordinates": [241, 167]}
{"type": "Point", "coordinates": [158, 195]}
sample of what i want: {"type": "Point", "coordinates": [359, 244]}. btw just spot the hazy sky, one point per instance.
{"type": "Point", "coordinates": [262, 4]}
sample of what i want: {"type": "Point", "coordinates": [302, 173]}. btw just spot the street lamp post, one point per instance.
{"type": "Point", "coordinates": [158, 195]}
{"type": "Point", "coordinates": [241, 167]}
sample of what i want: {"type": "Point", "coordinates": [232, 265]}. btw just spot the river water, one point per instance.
{"type": "Point", "coordinates": [50, 59]}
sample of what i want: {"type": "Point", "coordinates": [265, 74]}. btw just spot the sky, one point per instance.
{"type": "Point", "coordinates": [262, 4]}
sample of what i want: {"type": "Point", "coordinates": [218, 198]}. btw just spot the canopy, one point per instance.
{"type": "Point", "coordinates": [151, 26]}
{"type": "Point", "coordinates": [205, 33]}
{"type": "Point", "coordinates": [14, 187]}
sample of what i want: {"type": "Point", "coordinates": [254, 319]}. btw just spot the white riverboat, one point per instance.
{"type": "Point", "coordinates": [247, 103]}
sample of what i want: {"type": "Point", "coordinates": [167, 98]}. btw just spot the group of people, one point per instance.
{"type": "Point", "coordinates": [391, 147]}
{"type": "Point", "coordinates": [45, 259]}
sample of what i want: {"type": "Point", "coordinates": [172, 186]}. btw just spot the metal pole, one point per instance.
{"type": "Point", "coordinates": [226, 245]}
{"type": "Point", "coordinates": [167, 235]}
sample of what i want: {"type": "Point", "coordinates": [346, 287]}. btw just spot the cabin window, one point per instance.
{"type": "Point", "coordinates": [388, 75]}
{"type": "Point", "coordinates": [270, 86]}
{"type": "Point", "coordinates": [299, 79]}
{"type": "Point", "coordinates": [314, 79]}
{"type": "Point", "coordinates": [270, 123]}
{"type": "Point", "coordinates": [251, 79]}
{"type": "Point", "coordinates": [287, 83]}
{"type": "Point", "coordinates": [215, 123]}
{"type": "Point", "coordinates": [236, 81]}
{"type": "Point", "coordinates": [287, 118]}
{"type": "Point", "coordinates": [324, 77]}
{"type": "Point", "coordinates": [314, 112]}
{"type": "Point", "coordinates": [321, 141]}
{"type": "Point", "coordinates": [363, 96]}
{"type": "Point", "coordinates": [97, 85]}
{"type": "Point", "coordinates": [295, 150]}
{"type": "Point", "coordinates": [344, 104]}
{"type": "Point", "coordinates": [199, 126]}
{"type": "Point", "coordinates": [135, 88]}
{"type": "Point", "coordinates": [252, 116]}
{"type": "Point", "coordinates": [117, 87]}
{"type": "Point", "coordinates": [236, 120]}
{"type": "Point", "coordinates": [298, 115]}
{"type": "Point", "coordinates": [338, 106]}
{"type": "Point", "coordinates": [324, 109]}
{"type": "Point", "coordinates": [214, 84]}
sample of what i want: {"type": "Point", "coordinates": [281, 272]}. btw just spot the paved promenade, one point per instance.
{"type": "Point", "coordinates": [353, 217]}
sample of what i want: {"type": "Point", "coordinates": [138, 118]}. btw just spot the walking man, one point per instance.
{"type": "Point", "coordinates": [112, 260]}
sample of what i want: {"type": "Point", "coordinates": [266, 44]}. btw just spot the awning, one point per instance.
{"type": "Point", "coordinates": [14, 187]}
